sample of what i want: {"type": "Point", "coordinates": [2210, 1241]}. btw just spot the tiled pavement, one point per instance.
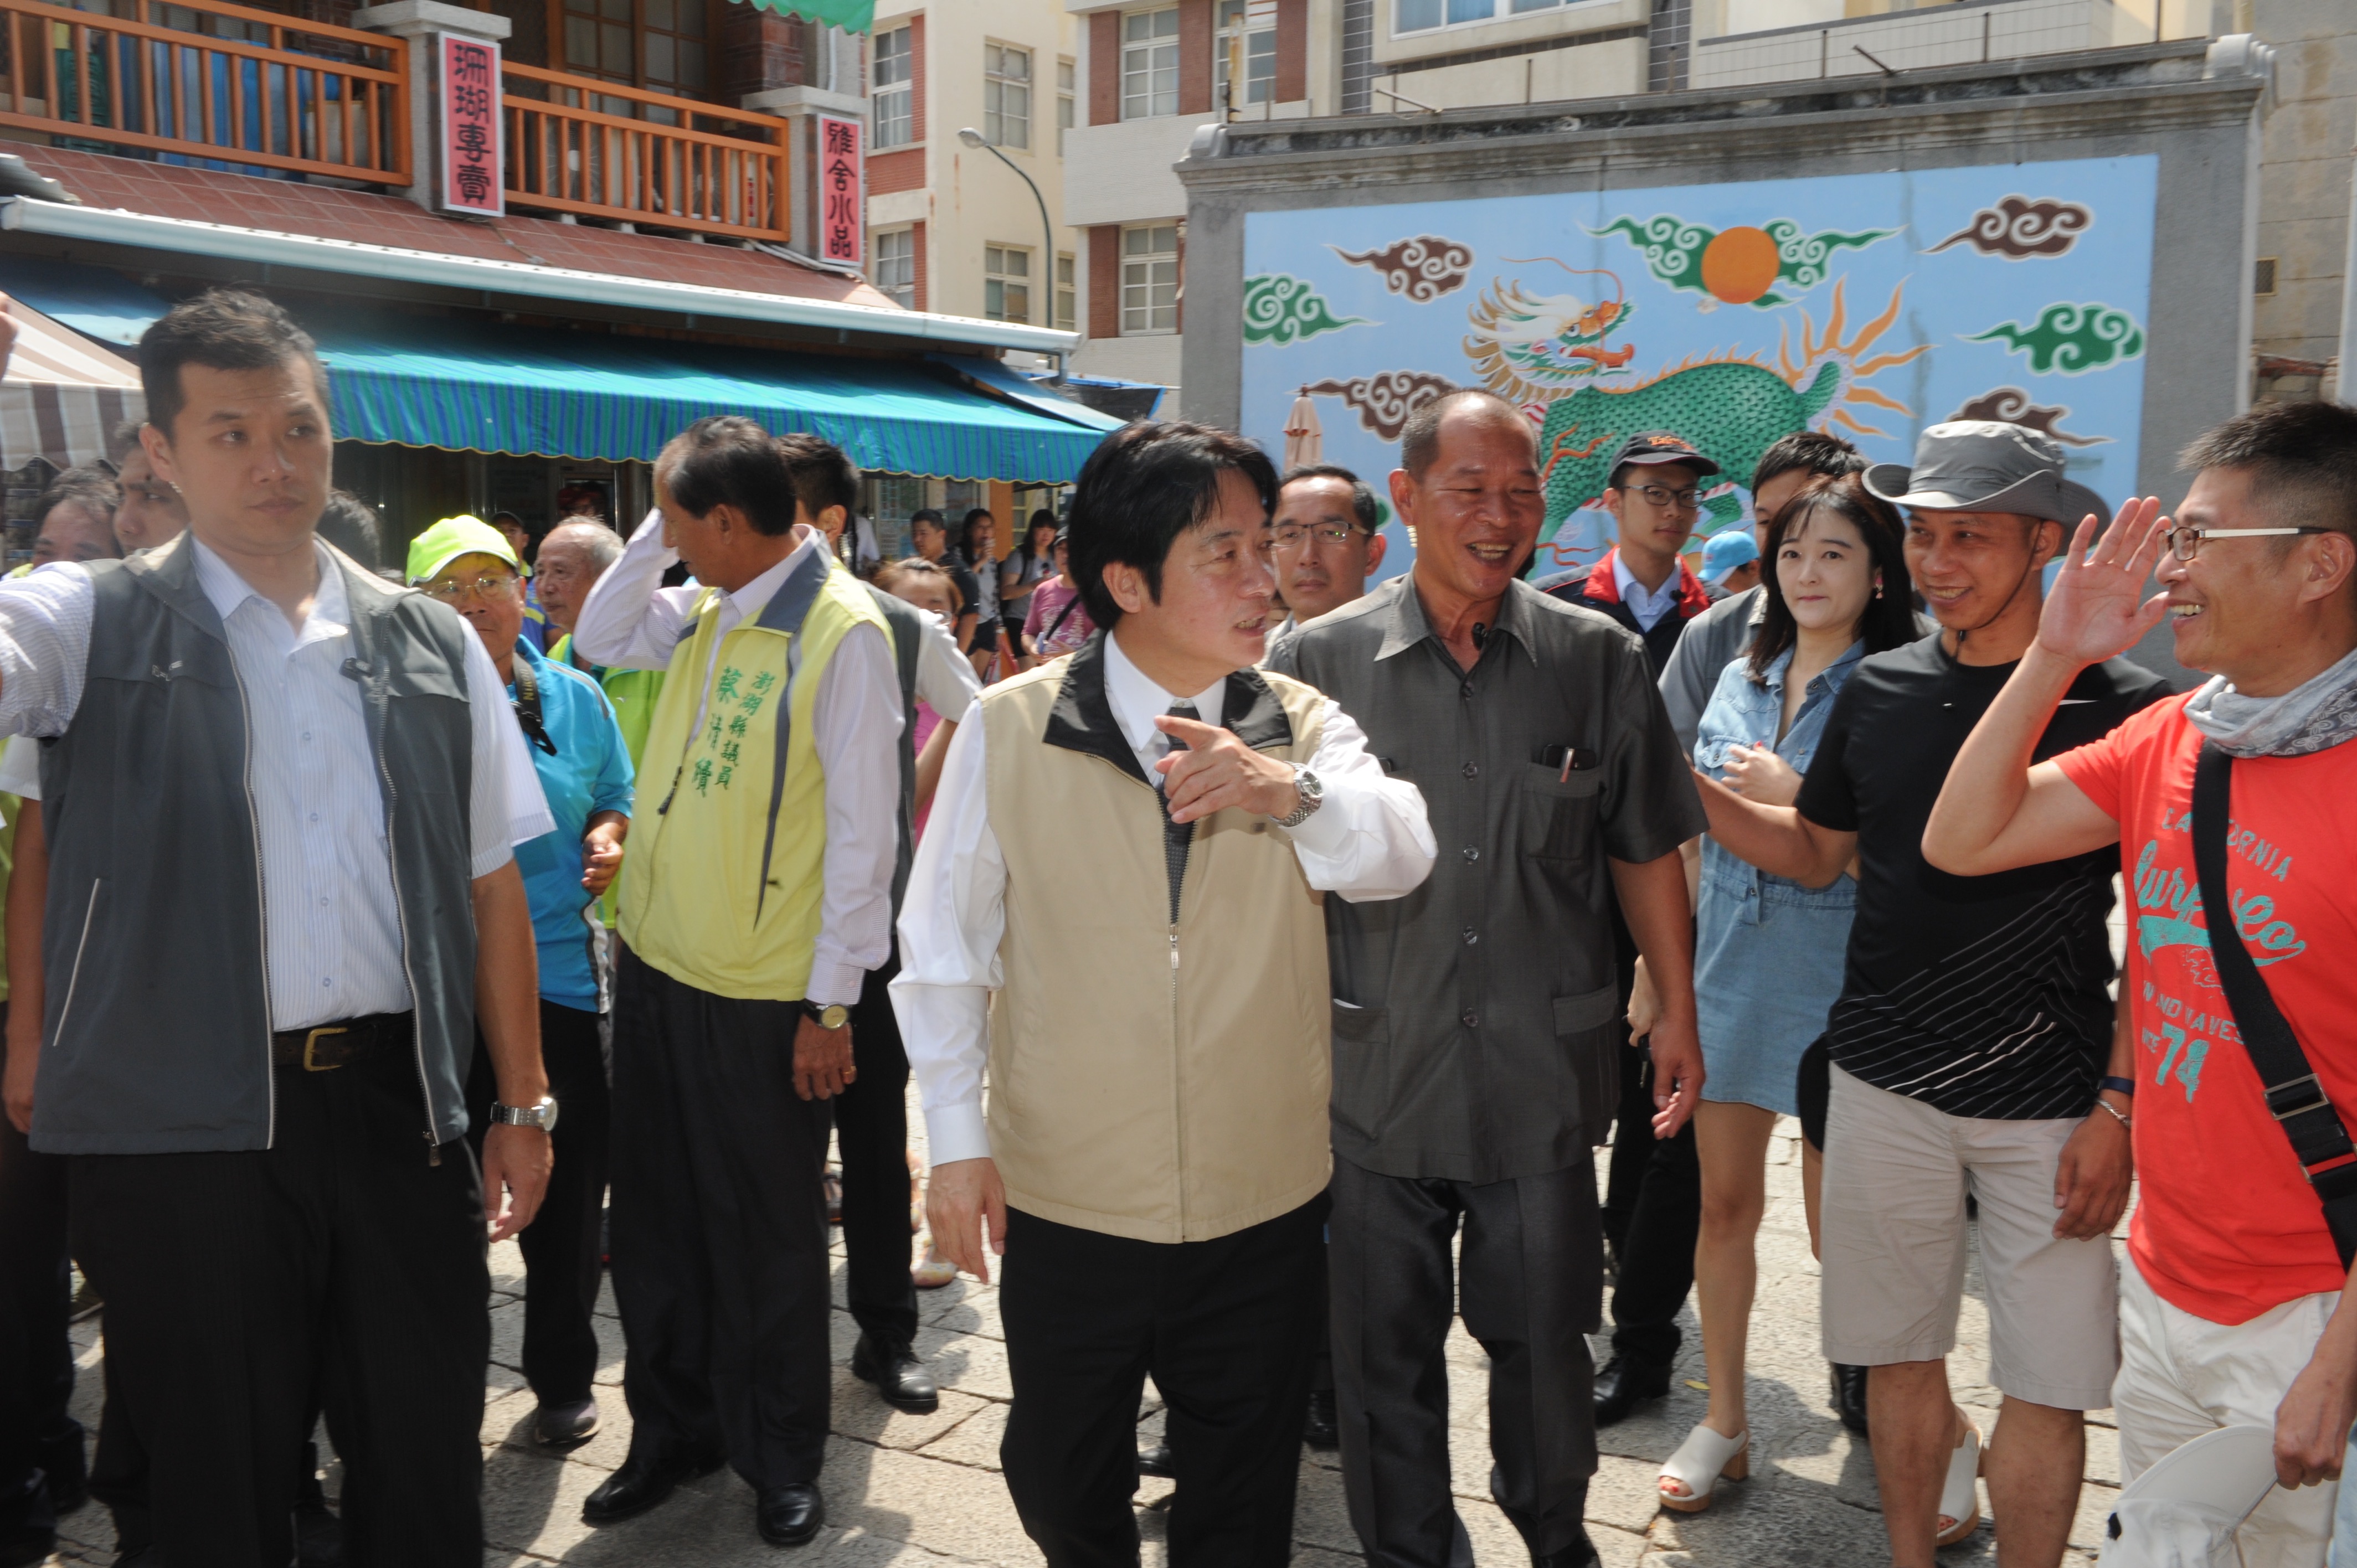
{"type": "Point", "coordinates": [909, 1491]}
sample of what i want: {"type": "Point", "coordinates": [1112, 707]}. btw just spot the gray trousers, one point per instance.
{"type": "Point", "coordinates": [1529, 1286]}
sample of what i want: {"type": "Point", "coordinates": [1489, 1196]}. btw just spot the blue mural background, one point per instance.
{"type": "Point", "coordinates": [1870, 306]}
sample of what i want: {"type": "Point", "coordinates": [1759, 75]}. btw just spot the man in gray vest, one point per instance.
{"type": "Point", "coordinates": [280, 799]}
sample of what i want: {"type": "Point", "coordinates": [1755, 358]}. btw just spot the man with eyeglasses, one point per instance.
{"type": "Point", "coordinates": [2235, 1307]}
{"type": "Point", "coordinates": [1975, 1025]}
{"type": "Point", "coordinates": [1328, 538]}
{"type": "Point", "coordinates": [1643, 582]}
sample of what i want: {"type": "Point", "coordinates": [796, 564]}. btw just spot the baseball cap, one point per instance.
{"type": "Point", "coordinates": [456, 536]}
{"type": "Point", "coordinates": [1662, 447]}
{"type": "Point", "coordinates": [1987, 464]}
{"type": "Point", "coordinates": [2183, 1512]}
{"type": "Point", "coordinates": [1726, 550]}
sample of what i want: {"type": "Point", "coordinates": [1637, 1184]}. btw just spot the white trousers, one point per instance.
{"type": "Point", "coordinates": [2182, 1375]}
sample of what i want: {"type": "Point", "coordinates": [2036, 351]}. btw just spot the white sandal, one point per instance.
{"type": "Point", "coordinates": [1701, 1461]}
{"type": "Point", "coordinates": [1959, 1498]}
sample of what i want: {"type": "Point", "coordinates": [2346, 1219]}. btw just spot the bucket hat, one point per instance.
{"type": "Point", "coordinates": [2184, 1511]}
{"type": "Point", "coordinates": [1984, 465]}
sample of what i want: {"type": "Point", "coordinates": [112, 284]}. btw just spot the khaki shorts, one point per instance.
{"type": "Point", "coordinates": [1897, 1172]}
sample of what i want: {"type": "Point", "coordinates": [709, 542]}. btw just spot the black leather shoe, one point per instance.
{"type": "Point", "coordinates": [318, 1534]}
{"type": "Point", "coordinates": [27, 1547]}
{"type": "Point", "coordinates": [1156, 1461]}
{"type": "Point", "coordinates": [1580, 1556]}
{"type": "Point", "coordinates": [1849, 1396]}
{"type": "Point", "coordinates": [1622, 1383]}
{"type": "Point", "coordinates": [567, 1425]}
{"type": "Point", "coordinates": [790, 1515]}
{"type": "Point", "coordinates": [1320, 1431]}
{"type": "Point", "coordinates": [643, 1481]}
{"type": "Point", "coordinates": [898, 1375]}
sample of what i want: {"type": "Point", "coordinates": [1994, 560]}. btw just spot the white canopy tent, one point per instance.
{"type": "Point", "coordinates": [61, 393]}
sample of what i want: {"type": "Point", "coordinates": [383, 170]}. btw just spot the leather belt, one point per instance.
{"type": "Point", "coordinates": [331, 1046]}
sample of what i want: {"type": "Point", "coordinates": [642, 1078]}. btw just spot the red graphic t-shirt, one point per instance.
{"type": "Point", "coordinates": [2226, 1227]}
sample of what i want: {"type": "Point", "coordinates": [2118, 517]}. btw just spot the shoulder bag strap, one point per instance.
{"type": "Point", "coordinates": [526, 704]}
{"type": "Point", "coordinates": [2295, 1095]}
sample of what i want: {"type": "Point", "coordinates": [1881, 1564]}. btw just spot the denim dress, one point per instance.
{"type": "Point", "coordinates": [1768, 950]}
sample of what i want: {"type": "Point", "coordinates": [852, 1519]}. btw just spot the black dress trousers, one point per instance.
{"type": "Point", "coordinates": [339, 1266]}
{"type": "Point", "coordinates": [720, 1242]}
{"type": "Point", "coordinates": [1528, 1283]}
{"type": "Point", "coordinates": [1654, 1215]}
{"type": "Point", "coordinates": [40, 1444]}
{"type": "Point", "coordinates": [871, 1131]}
{"type": "Point", "coordinates": [1226, 1327]}
{"type": "Point", "coordinates": [563, 1246]}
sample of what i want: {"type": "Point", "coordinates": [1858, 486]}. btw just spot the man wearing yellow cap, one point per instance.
{"type": "Point", "coordinates": [758, 893]}
{"type": "Point", "coordinates": [584, 767]}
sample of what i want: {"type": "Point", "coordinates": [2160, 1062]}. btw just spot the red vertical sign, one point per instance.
{"type": "Point", "coordinates": [467, 135]}
{"type": "Point", "coordinates": [841, 199]}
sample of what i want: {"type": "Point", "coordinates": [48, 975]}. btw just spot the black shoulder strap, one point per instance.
{"type": "Point", "coordinates": [2295, 1095]}
{"type": "Point", "coordinates": [1061, 616]}
{"type": "Point", "coordinates": [526, 704]}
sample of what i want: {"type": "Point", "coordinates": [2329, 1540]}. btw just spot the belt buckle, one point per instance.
{"type": "Point", "coordinates": [312, 1039]}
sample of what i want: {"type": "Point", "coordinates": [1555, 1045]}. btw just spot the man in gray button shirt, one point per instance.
{"type": "Point", "coordinates": [1476, 1034]}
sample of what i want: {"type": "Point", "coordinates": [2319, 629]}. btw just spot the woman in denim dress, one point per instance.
{"type": "Point", "coordinates": [1768, 951]}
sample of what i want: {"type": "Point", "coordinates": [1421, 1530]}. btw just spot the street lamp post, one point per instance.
{"type": "Point", "coordinates": [973, 138]}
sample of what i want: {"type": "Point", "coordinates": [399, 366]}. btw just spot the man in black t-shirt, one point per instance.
{"type": "Point", "coordinates": [1974, 1023]}
{"type": "Point", "coordinates": [928, 536]}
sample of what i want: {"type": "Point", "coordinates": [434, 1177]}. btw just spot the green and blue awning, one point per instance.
{"type": "Point", "coordinates": [851, 16]}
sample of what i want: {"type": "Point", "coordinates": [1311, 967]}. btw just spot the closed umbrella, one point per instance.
{"type": "Point", "coordinates": [1304, 441]}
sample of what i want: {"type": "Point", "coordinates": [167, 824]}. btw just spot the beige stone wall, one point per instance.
{"type": "Point", "coordinates": [2303, 175]}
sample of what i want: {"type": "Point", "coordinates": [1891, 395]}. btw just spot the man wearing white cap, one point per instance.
{"type": "Point", "coordinates": [1975, 1028]}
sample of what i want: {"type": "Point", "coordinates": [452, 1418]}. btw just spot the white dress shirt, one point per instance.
{"type": "Point", "coordinates": [946, 679]}
{"type": "Point", "coordinates": [631, 622]}
{"type": "Point", "coordinates": [1648, 605]}
{"type": "Point", "coordinates": [332, 928]}
{"type": "Point", "coordinates": [1369, 840]}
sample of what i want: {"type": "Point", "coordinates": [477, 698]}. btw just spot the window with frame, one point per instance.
{"type": "Point", "coordinates": [892, 100]}
{"type": "Point", "coordinates": [1064, 98]}
{"type": "Point", "coordinates": [1251, 23]}
{"type": "Point", "coordinates": [1005, 282]}
{"type": "Point", "coordinates": [657, 44]}
{"type": "Point", "coordinates": [1066, 293]}
{"type": "Point", "coordinates": [1006, 96]}
{"type": "Point", "coordinates": [1149, 280]}
{"type": "Point", "coordinates": [896, 265]}
{"type": "Point", "coordinates": [1149, 64]}
{"type": "Point", "coordinates": [1422, 15]}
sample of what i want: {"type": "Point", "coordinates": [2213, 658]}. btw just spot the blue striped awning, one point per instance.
{"type": "Point", "coordinates": [529, 391]}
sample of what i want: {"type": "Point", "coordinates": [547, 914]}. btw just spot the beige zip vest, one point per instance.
{"type": "Point", "coordinates": [1166, 1083]}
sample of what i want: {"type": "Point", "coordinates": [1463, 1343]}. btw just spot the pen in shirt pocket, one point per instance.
{"type": "Point", "coordinates": [1566, 760]}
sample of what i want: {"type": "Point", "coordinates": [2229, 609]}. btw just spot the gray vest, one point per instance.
{"type": "Point", "coordinates": [157, 1024]}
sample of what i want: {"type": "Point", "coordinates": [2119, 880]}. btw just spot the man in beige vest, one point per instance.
{"type": "Point", "coordinates": [1129, 845]}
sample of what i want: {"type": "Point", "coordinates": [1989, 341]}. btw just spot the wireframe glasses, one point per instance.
{"type": "Point", "coordinates": [451, 590]}
{"type": "Point", "coordinates": [1292, 536]}
{"type": "Point", "coordinates": [2186, 543]}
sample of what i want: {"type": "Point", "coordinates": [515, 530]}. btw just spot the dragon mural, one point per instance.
{"type": "Point", "coordinates": [1530, 347]}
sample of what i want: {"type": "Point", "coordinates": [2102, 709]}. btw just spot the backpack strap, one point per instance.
{"type": "Point", "coordinates": [2295, 1095]}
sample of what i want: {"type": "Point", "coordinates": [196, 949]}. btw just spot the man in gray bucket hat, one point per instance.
{"type": "Point", "coordinates": [1973, 1047]}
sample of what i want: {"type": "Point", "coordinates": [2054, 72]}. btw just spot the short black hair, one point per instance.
{"type": "Point", "coordinates": [2301, 458]}
{"type": "Point", "coordinates": [1363, 496]}
{"type": "Point", "coordinates": [727, 459]}
{"type": "Point", "coordinates": [221, 330]}
{"type": "Point", "coordinates": [823, 475]}
{"type": "Point", "coordinates": [91, 488]}
{"type": "Point", "coordinates": [928, 516]}
{"type": "Point", "coordinates": [1145, 484]}
{"type": "Point", "coordinates": [1420, 436]}
{"type": "Point", "coordinates": [121, 442]}
{"type": "Point", "coordinates": [1813, 450]}
{"type": "Point", "coordinates": [350, 525]}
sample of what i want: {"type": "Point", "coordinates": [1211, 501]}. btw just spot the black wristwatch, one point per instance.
{"type": "Point", "coordinates": [832, 1015]}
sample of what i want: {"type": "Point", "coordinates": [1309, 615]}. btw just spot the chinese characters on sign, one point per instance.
{"type": "Point", "coordinates": [473, 160]}
{"type": "Point", "coordinates": [841, 205]}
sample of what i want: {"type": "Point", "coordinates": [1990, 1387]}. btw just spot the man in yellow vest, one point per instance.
{"type": "Point", "coordinates": [1131, 846]}
{"type": "Point", "coordinates": [757, 895]}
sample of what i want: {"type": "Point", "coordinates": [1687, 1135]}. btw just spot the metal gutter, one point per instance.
{"type": "Point", "coordinates": [269, 248]}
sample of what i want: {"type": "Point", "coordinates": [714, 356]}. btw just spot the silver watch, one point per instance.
{"type": "Point", "coordinates": [1308, 791]}
{"type": "Point", "coordinates": [543, 1115]}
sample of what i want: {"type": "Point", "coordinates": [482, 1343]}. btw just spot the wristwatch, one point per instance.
{"type": "Point", "coordinates": [543, 1115]}
{"type": "Point", "coordinates": [1308, 791]}
{"type": "Point", "coordinates": [832, 1015]}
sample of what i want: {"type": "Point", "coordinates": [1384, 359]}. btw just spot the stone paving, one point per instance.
{"type": "Point", "coordinates": [909, 1491]}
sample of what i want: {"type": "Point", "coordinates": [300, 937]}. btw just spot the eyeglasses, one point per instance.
{"type": "Point", "coordinates": [1293, 535]}
{"type": "Point", "coordinates": [2185, 542]}
{"type": "Point", "coordinates": [1663, 496]}
{"type": "Point", "coordinates": [450, 590]}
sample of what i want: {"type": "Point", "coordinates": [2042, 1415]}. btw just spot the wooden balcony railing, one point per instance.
{"type": "Point", "coordinates": [210, 84]}
{"type": "Point", "coordinates": [602, 150]}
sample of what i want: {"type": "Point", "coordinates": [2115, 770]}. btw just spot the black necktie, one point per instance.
{"type": "Point", "coordinates": [1176, 836]}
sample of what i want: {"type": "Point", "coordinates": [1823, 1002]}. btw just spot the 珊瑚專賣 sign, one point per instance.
{"type": "Point", "coordinates": [841, 216]}
{"type": "Point", "coordinates": [467, 130]}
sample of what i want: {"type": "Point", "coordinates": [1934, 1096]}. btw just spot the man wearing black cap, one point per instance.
{"type": "Point", "coordinates": [1652, 1205]}
{"type": "Point", "coordinates": [1975, 1028]}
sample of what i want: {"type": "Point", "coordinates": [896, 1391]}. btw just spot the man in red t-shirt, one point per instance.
{"type": "Point", "coordinates": [2234, 1310]}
